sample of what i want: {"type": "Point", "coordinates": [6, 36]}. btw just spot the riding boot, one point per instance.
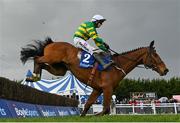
{"type": "Point", "coordinates": [99, 58]}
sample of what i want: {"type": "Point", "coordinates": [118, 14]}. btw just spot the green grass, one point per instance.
{"type": "Point", "coordinates": [106, 118]}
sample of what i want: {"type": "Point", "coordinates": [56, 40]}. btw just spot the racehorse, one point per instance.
{"type": "Point", "coordinates": [58, 57]}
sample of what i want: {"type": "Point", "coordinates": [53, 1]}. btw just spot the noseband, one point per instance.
{"type": "Point", "coordinates": [148, 62]}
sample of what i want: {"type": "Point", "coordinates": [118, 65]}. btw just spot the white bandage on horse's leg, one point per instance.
{"type": "Point", "coordinates": [36, 75]}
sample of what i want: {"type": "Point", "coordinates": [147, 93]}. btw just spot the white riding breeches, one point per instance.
{"type": "Point", "coordinates": [80, 43]}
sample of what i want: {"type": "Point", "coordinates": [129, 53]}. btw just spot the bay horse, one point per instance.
{"type": "Point", "coordinates": [58, 57]}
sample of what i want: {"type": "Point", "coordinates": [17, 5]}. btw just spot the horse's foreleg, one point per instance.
{"type": "Point", "coordinates": [107, 93]}
{"type": "Point", "coordinates": [92, 98]}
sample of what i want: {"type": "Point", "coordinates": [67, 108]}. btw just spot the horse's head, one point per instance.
{"type": "Point", "coordinates": [153, 61]}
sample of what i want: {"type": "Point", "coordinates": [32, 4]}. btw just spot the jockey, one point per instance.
{"type": "Point", "coordinates": [86, 31]}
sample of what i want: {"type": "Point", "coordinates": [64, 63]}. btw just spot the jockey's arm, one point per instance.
{"type": "Point", "coordinates": [98, 41]}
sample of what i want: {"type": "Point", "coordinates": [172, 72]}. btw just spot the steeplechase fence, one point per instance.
{"type": "Point", "coordinates": [18, 100]}
{"type": "Point", "coordinates": [15, 109]}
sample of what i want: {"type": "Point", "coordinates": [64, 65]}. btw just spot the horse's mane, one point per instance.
{"type": "Point", "coordinates": [123, 53]}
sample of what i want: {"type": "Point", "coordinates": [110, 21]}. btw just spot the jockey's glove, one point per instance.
{"type": "Point", "coordinates": [102, 47]}
{"type": "Point", "coordinates": [106, 45]}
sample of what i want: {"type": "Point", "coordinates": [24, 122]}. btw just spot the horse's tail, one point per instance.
{"type": "Point", "coordinates": [33, 50]}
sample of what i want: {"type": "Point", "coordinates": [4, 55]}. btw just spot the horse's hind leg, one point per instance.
{"type": "Point", "coordinates": [43, 62]}
{"type": "Point", "coordinates": [36, 76]}
{"type": "Point", "coordinates": [38, 62]}
{"type": "Point", "coordinates": [55, 69]}
{"type": "Point", "coordinates": [92, 98]}
{"type": "Point", "coordinates": [37, 71]}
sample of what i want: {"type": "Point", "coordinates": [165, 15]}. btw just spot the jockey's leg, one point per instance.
{"type": "Point", "coordinates": [80, 43]}
{"type": "Point", "coordinates": [88, 48]}
{"type": "Point", "coordinates": [99, 58]}
{"type": "Point", "coordinates": [92, 98]}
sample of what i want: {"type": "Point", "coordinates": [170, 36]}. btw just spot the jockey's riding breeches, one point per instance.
{"type": "Point", "coordinates": [80, 43]}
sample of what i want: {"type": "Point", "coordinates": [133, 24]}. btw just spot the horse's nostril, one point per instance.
{"type": "Point", "coordinates": [166, 71]}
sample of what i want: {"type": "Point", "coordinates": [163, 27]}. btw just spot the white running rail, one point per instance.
{"type": "Point", "coordinates": [158, 108]}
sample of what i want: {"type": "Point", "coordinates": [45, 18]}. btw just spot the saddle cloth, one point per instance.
{"type": "Point", "coordinates": [87, 60]}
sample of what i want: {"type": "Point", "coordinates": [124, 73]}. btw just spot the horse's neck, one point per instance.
{"type": "Point", "coordinates": [128, 61]}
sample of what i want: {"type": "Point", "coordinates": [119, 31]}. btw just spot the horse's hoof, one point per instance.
{"type": "Point", "coordinates": [33, 79]}
{"type": "Point", "coordinates": [82, 115]}
{"type": "Point", "coordinates": [30, 79]}
{"type": "Point", "coordinates": [102, 113]}
{"type": "Point", "coordinates": [99, 114]}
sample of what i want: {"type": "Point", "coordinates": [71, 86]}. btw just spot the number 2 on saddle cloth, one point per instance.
{"type": "Point", "coordinates": [88, 61]}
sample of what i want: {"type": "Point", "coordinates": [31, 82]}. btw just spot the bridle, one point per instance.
{"type": "Point", "coordinates": [148, 62]}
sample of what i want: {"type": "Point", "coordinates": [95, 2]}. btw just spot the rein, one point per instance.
{"type": "Point", "coordinates": [122, 56]}
{"type": "Point", "coordinates": [128, 59]}
{"type": "Point", "coordinates": [148, 64]}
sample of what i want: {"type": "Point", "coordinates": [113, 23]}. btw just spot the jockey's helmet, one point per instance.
{"type": "Point", "coordinates": [98, 18]}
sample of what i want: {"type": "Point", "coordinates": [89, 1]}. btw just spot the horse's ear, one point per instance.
{"type": "Point", "coordinates": [151, 44]}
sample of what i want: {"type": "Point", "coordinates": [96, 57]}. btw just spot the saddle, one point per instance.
{"type": "Point", "coordinates": [88, 61]}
